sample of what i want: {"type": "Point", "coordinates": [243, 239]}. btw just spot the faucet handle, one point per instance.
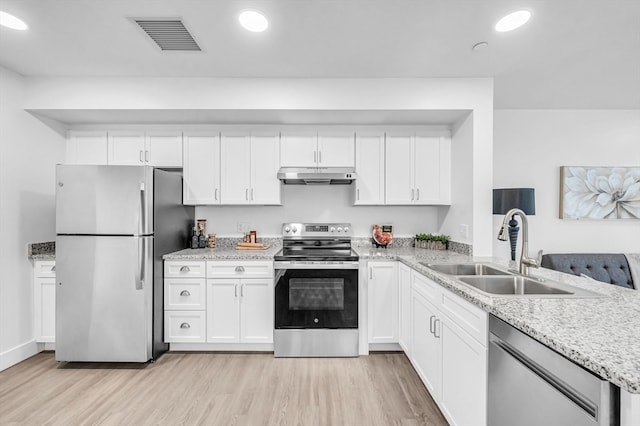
{"type": "Point", "coordinates": [539, 259]}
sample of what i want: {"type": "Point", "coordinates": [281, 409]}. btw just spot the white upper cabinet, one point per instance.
{"type": "Point", "coordinates": [310, 149]}
{"type": "Point", "coordinates": [418, 169]}
{"type": "Point", "coordinates": [86, 147]}
{"type": "Point", "coordinates": [336, 149]}
{"type": "Point", "coordinates": [370, 169]}
{"type": "Point", "coordinates": [248, 168]}
{"type": "Point", "coordinates": [164, 149]}
{"type": "Point", "coordinates": [159, 149]}
{"type": "Point", "coordinates": [299, 149]}
{"type": "Point", "coordinates": [126, 148]}
{"type": "Point", "coordinates": [201, 173]}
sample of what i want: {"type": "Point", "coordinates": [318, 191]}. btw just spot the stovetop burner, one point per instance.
{"type": "Point", "coordinates": [316, 242]}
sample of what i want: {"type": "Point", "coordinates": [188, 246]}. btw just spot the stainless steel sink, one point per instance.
{"type": "Point", "coordinates": [518, 285]}
{"type": "Point", "coordinates": [465, 268]}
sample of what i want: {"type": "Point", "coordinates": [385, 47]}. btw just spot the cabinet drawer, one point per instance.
{"type": "Point", "coordinates": [184, 294]}
{"type": "Point", "coordinates": [466, 315]}
{"type": "Point", "coordinates": [184, 326]}
{"type": "Point", "coordinates": [427, 288]}
{"type": "Point", "coordinates": [239, 269]}
{"type": "Point", "coordinates": [187, 268]}
{"type": "Point", "coordinates": [45, 268]}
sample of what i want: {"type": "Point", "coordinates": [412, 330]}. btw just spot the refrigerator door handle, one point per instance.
{"type": "Point", "coordinates": [142, 252]}
{"type": "Point", "coordinates": [143, 209]}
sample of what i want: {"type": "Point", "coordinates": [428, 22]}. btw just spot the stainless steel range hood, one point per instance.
{"type": "Point", "coordinates": [316, 175]}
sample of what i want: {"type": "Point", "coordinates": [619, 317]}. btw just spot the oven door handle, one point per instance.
{"type": "Point", "coordinates": [315, 266]}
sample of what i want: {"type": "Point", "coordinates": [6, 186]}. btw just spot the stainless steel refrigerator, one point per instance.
{"type": "Point", "coordinates": [113, 225]}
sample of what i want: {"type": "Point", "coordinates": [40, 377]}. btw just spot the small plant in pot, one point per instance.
{"type": "Point", "coordinates": [431, 241]}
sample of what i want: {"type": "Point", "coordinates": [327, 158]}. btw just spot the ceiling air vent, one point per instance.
{"type": "Point", "coordinates": [169, 34]}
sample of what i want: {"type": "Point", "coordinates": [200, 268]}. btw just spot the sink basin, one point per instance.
{"type": "Point", "coordinates": [511, 285]}
{"type": "Point", "coordinates": [518, 285]}
{"type": "Point", "coordinates": [464, 268]}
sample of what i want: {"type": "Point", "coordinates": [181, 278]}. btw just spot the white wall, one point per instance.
{"type": "Point", "coordinates": [461, 211]}
{"type": "Point", "coordinates": [330, 203]}
{"type": "Point", "coordinates": [529, 148]}
{"type": "Point", "coordinates": [29, 151]}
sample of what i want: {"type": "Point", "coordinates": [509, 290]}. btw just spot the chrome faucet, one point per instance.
{"type": "Point", "coordinates": [525, 260]}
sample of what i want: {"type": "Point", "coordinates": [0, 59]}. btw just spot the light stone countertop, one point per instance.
{"type": "Point", "coordinates": [600, 334]}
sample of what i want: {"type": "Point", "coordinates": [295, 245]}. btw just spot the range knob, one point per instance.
{"type": "Point", "coordinates": [346, 229]}
{"type": "Point", "coordinates": [333, 229]}
{"type": "Point", "coordinates": [294, 229]}
{"type": "Point", "coordinates": [339, 229]}
{"type": "Point", "coordinates": [287, 229]}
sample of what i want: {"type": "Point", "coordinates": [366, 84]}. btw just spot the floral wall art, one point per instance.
{"type": "Point", "coordinates": [599, 192]}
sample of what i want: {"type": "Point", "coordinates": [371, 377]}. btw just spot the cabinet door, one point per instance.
{"type": "Point", "coordinates": [404, 294]}
{"type": "Point", "coordinates": [370, 169]}
{"type": "Point", "coordinates": [126, 148]}
{"type": "Point", "coordinates": [299, 149]}
{"type": "Point", "coordinates": [432, 170]}
{"type": "Point", "coordinates": [223, 311]}
{"type": "Point", "coordinates": [265, 162]}
{"type": "Point", "coordinates": [336, 150]}
{"type": "Point", "coordinates": [164, 149]}
{"type": "Point", "coordinates": [45, 310]}
{"type": "Point", "coordinates": [235, 164]}
{"type": "Point", "coordinates": [256, 312]}
{"type": "Point", "coordinates": [86, 148]}
{"type": "Point", "coordinates": [201, 173]}
{"type": "Point", "coordinates": [464, 377]}
{"type": "Point", "coordinates": [383, 302]}
{"type": "Point", "coordinates": [426, 349]}
{"type": "Point", "coordinates": [398, 170]}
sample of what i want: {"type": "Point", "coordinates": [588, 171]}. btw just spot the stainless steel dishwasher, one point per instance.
{"type": "Point", "coordinates": [530, 384]}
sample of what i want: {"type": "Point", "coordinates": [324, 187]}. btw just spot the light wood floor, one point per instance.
{"type": "Point", "coordinates": [218, 389]}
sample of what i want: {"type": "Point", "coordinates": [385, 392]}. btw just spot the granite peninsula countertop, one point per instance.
{"type": "Point", "coordinates": [601, 334]}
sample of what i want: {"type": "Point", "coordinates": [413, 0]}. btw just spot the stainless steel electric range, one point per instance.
{"type": "Point", "coordinates": [316, 292]}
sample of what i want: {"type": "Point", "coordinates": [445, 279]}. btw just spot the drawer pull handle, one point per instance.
{"type": "Point", "coordinates": [185, 293]}
{"type": "Point", "coordinates": [239, 268]}
{"type": "Point", "coordinates": [185, 269]}
{"type": "Point", "coordinates": [185, 325]}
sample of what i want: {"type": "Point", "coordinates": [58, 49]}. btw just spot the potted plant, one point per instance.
{"type": "Point", "coordinates": [431, 241]}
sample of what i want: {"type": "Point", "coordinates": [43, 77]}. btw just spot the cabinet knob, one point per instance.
{"type": "Point", "coordinates": [239, 268]}
{"type": "Point", "coordinates": [185, 325]}
{"type": "Point", "coordinates": [185, 293]}
{"type": "Point", "coordinates": [185, 269]}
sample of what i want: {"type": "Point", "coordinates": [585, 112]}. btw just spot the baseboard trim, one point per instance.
{"type": "Point", "coordinates": [18, 354]}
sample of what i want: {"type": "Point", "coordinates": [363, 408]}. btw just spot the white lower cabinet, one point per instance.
{"type": "Point", "coordinates": [383, 302]}
{"type": "Point", "coordinates": [218, 302]}
{"type": "Point", "coordinates": [449, 351]}
{"type": "Point", "coordinates": [240, 310]}
{"type": "Point", "coordinates": [44, 298]}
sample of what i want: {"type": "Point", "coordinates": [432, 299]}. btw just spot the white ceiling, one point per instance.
{"type": "Point", "coordinates": [572, 54]}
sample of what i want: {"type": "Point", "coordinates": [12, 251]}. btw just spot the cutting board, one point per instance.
{"type": "Point", "coordinates": [264, 247]}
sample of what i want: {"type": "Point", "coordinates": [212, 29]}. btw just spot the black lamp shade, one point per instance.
{"type": "Point", "coordinates": [505, 199]}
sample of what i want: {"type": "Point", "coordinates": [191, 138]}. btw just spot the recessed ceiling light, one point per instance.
{"type": "Point", "coordinates": [254, 21]}
{"type": "Point", "coordinates": [10, 21]}
{"type": "Point", "coordinates": [513, 20]}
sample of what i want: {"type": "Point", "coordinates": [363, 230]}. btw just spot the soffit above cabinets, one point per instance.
{"type": "Point", "coordinates": [264, 117]}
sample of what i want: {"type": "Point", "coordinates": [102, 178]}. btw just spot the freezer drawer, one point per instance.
{"type": "Point", "coordinates": [104, 298]}
{"type": "Point", "coordinates": [104, 200]}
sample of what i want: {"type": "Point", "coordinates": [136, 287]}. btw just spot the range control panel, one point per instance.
{"type": "Point", "coordinates": [316, 229]}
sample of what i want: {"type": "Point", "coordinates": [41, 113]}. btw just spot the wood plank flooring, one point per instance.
{"type": "Point", "coordinates": [218, 389]}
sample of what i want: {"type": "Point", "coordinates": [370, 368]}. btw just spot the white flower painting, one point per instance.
{"type": "Point", "coordinates": [600, 192]}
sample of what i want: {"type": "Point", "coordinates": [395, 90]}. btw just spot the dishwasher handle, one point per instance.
{"type": "Point", "coordinates": [588, 406]}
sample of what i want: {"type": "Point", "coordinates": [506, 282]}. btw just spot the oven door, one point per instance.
{"type": "Point", "coordinates": [316, 298]}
